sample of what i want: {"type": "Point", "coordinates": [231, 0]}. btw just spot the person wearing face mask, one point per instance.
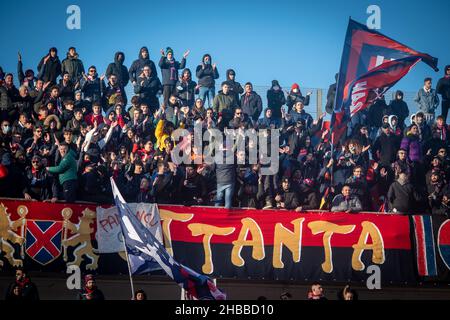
{"type": "Point", "coordinates": [206, 74]}
{"type": "Point", "coordinates": [443, 88]}
{"type": "Point", "coordinates": [118, 69]}
{"type": "Point", "coordinates": [295, 95]}
{"type": "Point", "coordinates": [399, 108]}
{"type": "Point", "coordinates": [276, 99]}
{"type": "Point", "coordinates": [5, 134]}
{"type": "Point", "coordinates": [169, 69]}
{"type": "Point", "coordinates": [235, 87]}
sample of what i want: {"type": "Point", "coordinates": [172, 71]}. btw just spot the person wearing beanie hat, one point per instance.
{"type": "Point", "coordinates": [169, 69]}
{"type": "Point", "coordinates": [49, 67]}
{"type": "Point", "coordinates": [137, 67]}
{"type": "Point", "coordinates": [294, 95]}
{"type": "Point", "coordinates": [276, 99]}
{"type": "Point", "coordinates": [207, 73]}
{"type": "Point", "coordinates": [90, 290]}
{"type": "Point", "coordinates": [443, 88]}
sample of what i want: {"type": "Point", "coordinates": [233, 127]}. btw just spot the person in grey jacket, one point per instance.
{"type": "Point", "coordinates": [346, 202]}
{"type": "Point", "coordinates": [72, 65]}
{"type": "Point", "coordinates": [427, 100]}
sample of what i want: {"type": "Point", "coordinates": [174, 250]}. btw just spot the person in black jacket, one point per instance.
{"type": "Point", "coordinates": [138, 65]}
{"type": "Point", "coordinates": [385, 147]}
{"type": "Point", "coordinates": [169, 69]}
{"type": "Point", "coordinates": [113, 93]}
{"type": "Point", "coordinates": [443, 88]}
{"type": "Point", "coordinates": [251, 103]}
{"type": "Point", "coordinates": [375, 116]}
{"type": "Point", "coordinates": [331, 94]}
{"type": "Point", "coordinates": [192, 189]}
{"type": "Point", "coordinates": [287, 198]}
{"type": "Point", "coordinates": [118, 69]}
{"type": "Point", "coordinates": [186, 88]}
{"type": "Point", "coordinates": [206, 74]}
{"type": "Point", "coordinates": [275, 99]}
{"type": "Point", "coordinates": [399, 108]}
{"type": "Point", "coordinates": [39, 185]}
{"type": "Point", "coordinates": [147, 87]}
{"type": "Point", "coordinates": [235, 87]}
{"type": "Point", "coordinates": [401, 195]}
{"type": "Point", "coordinates": [28, 289]}
{"type": "Point", "coordinates": [50, 67]}
{"type": "Point", "coordinates": [308, 196]}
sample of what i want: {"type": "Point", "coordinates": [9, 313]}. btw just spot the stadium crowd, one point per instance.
{"type": "Point", "coordinates": [65, 132]}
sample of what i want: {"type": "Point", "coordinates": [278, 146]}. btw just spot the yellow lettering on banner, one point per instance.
{"type": "Point", "coordinates": [167, 217]}
{"type": "Point", "coordinates": [292, 240]}
{"type": "Point", "coordinates": [257, 242]}
{"type": "Point", "coordinates": [208, 231]}
{"type": "Point", "coordinates": [377, 246]}
{"type": "Point", "coordinates": [328, 230]}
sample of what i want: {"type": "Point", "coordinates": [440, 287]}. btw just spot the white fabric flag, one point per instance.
{"type": "Point", "coordinates": [109, 233]}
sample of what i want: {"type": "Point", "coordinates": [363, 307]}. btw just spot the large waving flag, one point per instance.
{"type": "Point", "coordinates": [142, 244]}
{"type": "Point", "coordinates": [371, 64]}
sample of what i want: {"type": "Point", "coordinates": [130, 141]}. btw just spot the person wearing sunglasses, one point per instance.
{"type": "Point", "coordinates": [92, 85]}
{"type": "Point", "coordinates": [39, 184]}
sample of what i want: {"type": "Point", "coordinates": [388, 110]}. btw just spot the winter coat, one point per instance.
{"type": "Point", "coordinates": [275, 99]}
{"type": "Point", "coordinates": [340, 204]}
{"type": "Point", "coordinates": [399, 108]}
{"type": "Point", "coordinates": [169, 70]}
{"type": "Point", "coordinates": [92, 88]}
{"type": "Point", "coordinates": [385, 148]}
{"type": "Point", "coordinates": [67, 168]}
{"type": "Point", "coordinates": [206, 74]}
{"type": "Point", "coordinates": [413, 147]}
{"type": "Point", "coordinates": [147, 89]}
{"type": "Point", "coordinates": [443, 88]}
{"type": "Point", "coordinates": [138, 66]}
{"type": "Point", "coordinates": [73, 66]}
{"type": "Point", "coordinates": [251, 105]}
{"type": "Point", "coordinates": [118, 69]}
{"type": "Point", "coordinates": [235, 87]}
{"type": "Point", "coordinates": [49, 71]}
{"type": "Point", "coordinates": [401, 196]}
{"type": "Point", "coordinates": [427, 102]}
{"type": "Point", "coordinates": [185, 91]}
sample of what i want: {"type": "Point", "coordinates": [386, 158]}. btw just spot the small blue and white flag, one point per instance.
{"type": "Point", "coordinates": [142, 245]}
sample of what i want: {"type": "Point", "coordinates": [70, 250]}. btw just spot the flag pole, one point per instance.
{"type": "Point", "coordinates": [129, 272]}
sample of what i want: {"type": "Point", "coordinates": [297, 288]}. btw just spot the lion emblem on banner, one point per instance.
{"type": "Point", "coordinates": [81, 238]}
{"type": "Point", "coordinates": [7, 233]}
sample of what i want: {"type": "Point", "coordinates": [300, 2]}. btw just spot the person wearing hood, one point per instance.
{"type": "Point", "coordinates": [331, 94]}
{"type": "Point", "coordinates": [427, 100]}
{"type": "Point", "coordinates": [49, 67]}
{"type": "Point", "coordinates": [399, 108]}
{"type": "Point", "coordinates": [235, 87]}
{"type": "Point", "coordinates": [148, 87]}
{"type": "Point", "coordinates": [269, 121]}
{"type": "Point", "coordinates": [275, 99]}
{"type": "Point", "coordinates": [251, 103]}
{"type": "Point", "coordinates": [296, 94]}
{"type": "Point", "coordinates": [401, 195]}
{"type": "Point", "coordinates": [73, 65]}
{"type": "Point", "coordinates": [169, 69]}
{"type": "Point", "coordinates": [138, 65]}
{"type": "Point", "coordinates": [375, 116]}
{"type": "Point", "coordinates": [206, 74]}
{"type": "Point", "coordinates": [118, 69]}
{"type": "Point", "coordinates": [443, 88]}
{"type": "Point", "coordinates": [186, 89]}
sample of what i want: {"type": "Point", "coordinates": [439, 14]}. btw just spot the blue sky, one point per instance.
{"type": "Point", "coordinates": [292, 41]}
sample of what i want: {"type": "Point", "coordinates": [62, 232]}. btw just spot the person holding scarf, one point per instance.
{"type": "Point", "coordinates": [169, 69]}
